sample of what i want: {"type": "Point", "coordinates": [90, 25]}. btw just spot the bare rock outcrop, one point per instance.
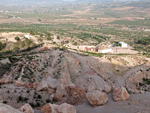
{"type": "Point", "coordinates": [42, 86]}
{"type": "Point", "coordinates": [26, 109]}
{"type": "Point", "coordinates": [50, 91]}
{"type": "Point", "coordinates": [120, 94]}
{"type": "Point", "coordinates": [5, 80]}
{"type": "Point", "coordinates": [31, 85]}
{"type": "Point", "coordinates": [8, 109]}
{"type": "Point", "coordinates": [96, 98]}
{"type": "Point", "coordinates": [135, 82]}
{"type": "Point", "coordinates": [19, 83]}
{"type": "Point", "coordinates": [60, 92]}
{"type": "Point", "coordinates": [53, 108]}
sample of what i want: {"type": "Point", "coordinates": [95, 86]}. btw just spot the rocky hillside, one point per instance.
{"type": "Point", "coordinates": [51, 79]}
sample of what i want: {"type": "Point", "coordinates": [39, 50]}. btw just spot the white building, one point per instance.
{"type": "Point", "coordinates": [123, 44]}
{"type": "Point", "coordinates": [106, 51]}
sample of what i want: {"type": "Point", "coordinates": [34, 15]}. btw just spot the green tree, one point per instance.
{"type": "Point", "coordinates": [17, 38]}
{"type": "Point", "coordinates": [48, 38]}
{"type": "Point", "coordinates": [23, 44]}
{"type": "Point", "coordinates": [40, 39]}
{"type": "Point", "coordinates": [39, 20]}
{"type": "Point", "coordinates": [75, 43]}
{"type": "Point", "coordinates": [28, 42]}
{"type": "Point", "coordinates": [58, 37]}
{"type": "Point", "coordinates": [1, 46]}
{"type": "Point", "coordinates": [31, 32]}
{"type": "Point", "coordinates": [41, 35]}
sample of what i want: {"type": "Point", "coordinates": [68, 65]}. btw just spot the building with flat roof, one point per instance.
{"type": "Point", "coordinates": [123, 44]}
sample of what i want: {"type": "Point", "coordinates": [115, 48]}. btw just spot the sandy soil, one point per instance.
{"type": "Point", "coordinates": [124, 51]}
{"type": "Point", "coordinates": [138, 103]}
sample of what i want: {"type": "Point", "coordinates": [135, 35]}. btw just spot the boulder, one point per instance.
{"type": "Point", "coordinates": [76, 95]}
{"type": "Point", "coordinates": [51, 97]}
{"type": "Point", "coordinates": [53, 108]}
{"type": "Point", "coordinates": [90, 87]}
{"type": "Point", "coordinates": [34, 85]}
{"type": "Point", "coordinates": [107, 88]}
{"type": "Point", "coordinates": [19, 83]}
{"type": "Point", "coordinates": [31, 85]}
{"type": "Point", "coordinates": [46, 109]}
{"type": "Point", "coordinates": [26, 109]}
{"type": "Point", "coordinates": [96, 98]}
{"type": "Point", "coordinates": [42, 86]}
{"type": "Point", "coordinates": [5, 80]}
{"type": "Point", "coordinates": [120, 94]}
{"type": "Point", "coordinates": [8, 109]}
{"type": "Point", "coordinates": [66, 108]}
{"type": "Point", "coordinates": [60, 92]}
{"type": "Point", "coordinates": [50, 91]}
{"type": "Point", "coordinates": [28, 85]}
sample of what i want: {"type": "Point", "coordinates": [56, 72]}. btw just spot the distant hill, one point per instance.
{"type": "Point", "coordinates": [54, 2]}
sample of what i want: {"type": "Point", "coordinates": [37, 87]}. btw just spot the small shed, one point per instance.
{"type": "Point", "coordinates": [27, 36]}
{"type": "Point", "coordinates": [123, 44]}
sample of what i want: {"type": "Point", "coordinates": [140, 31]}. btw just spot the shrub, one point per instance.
{"type": "Point", "coordinates": [47, 101]}
{"type": "Point", "coordinates": [75, 43]}
{"type": "Point", "coordinates": [38, 104]}
{"type": "Point", "coordinates": [140, 84]}
{"type": "Point", "coordinates": [16, 48]}
{"type": "Point", "coordinates": [5, 102]}
{"type": "Point", "coordinates": [39, 97]}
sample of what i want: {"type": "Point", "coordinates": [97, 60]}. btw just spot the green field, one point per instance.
{"type": "Point", "coordinates": [84, 22]}
{"type": "Point", "coordinates": [141, 23]}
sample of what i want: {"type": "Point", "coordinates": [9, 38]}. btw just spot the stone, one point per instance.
{"type": "Point", "coordinates": [46, 109]}
{"type": "Point", "coordinates": [26, 109]}
{"type": "Point", "coordinates": [107, 88]}
{"type": "Point", "coordinates": [96, 98]}
{"type": "Point", "coordinates": [34, 85]}
{"type": "Point", "coordinates": [50, 91]}
{"type": "Point", "coordinates": [42, 86]}
{"type": "Point", "coordinates": [90, 87]}
{"type": "Point", "coordinates": [76, 95]}
{"type": "Point", "coordinates": [60, 92]}
{"type": "Point", "coordinates": [120, 94]}
{"type": "Point", "coordinates": [8, 109]}
{"type": "Point", "coordinates": [51, 97]}
{"type": "Point", "coordinates": [66, 108]}
{"type": "Point", "coordinates": [28, 85]}
{"type": "Point", "coordinates": [63, 108]}
{"type": "Point", "coordinates": [5, 80]}
{"type": "Point", "coordinates": [19, 83]}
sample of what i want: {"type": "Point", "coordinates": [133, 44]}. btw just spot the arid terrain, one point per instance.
{"type": "Point", "coordinates": [59, 76]}
{"type": "Point", "coordinates": [75, 57]}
